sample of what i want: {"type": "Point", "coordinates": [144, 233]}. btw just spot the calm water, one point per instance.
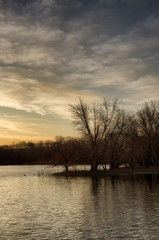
{"type": "Point", "coordinates": [35, 205]}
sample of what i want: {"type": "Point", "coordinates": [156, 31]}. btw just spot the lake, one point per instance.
{"type": "Point", "coordinates": [35, 205]}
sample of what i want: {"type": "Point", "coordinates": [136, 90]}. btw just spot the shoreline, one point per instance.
{"type": "Point", "coordinates": [102, 173]}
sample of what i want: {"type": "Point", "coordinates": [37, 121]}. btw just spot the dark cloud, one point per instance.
{"type": "Point", "coordinates": [53, 51]}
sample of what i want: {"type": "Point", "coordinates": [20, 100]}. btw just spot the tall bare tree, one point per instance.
{"type": "Point", "coordinates": [132, 141]}
{"type": "Point", "coordinates": [148, 120]}
{"type": "Point", "coordinates": [98, 123]}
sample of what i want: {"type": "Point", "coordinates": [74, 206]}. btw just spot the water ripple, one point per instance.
{"type": "Point", "coordinates": [45, 208]}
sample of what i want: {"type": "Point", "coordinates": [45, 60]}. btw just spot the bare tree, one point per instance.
{"type": "Point", "coordinates": [132, 141]}
{"type": "Point", "coordinates": [148, 121]}
{"type": "Point", "coordinates": [67, 151]}
{"type": "Point", "coordinates": [116, 140]}
{"type": "Point", "coordinates": [98, 123]}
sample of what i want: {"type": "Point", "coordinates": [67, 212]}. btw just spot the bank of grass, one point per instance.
{"type": "Point", "coordinates": [102, 173]}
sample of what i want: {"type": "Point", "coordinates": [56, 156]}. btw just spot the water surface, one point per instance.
{"type": "Point", "coordinates": [35, 205]}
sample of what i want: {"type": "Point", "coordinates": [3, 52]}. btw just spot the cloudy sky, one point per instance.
{"type": "Point", "coordinates": [53, 51]}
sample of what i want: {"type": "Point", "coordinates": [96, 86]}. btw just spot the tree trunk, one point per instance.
{"type": "Point", "coordinates": [94, 167]}
{"type": "Point", "coordinates": [112, 166]}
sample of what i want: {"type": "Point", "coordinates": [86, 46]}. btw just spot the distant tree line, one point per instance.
{"type": "Point", "coordinates": [63, 150]}
{"type": "Point", "coordinates": [109, 135]}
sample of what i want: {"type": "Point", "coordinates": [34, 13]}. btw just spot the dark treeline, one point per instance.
{"type": "Point", "coordinates": [109, 135]}
{"type": "Point", "coordinates": [64, 150]}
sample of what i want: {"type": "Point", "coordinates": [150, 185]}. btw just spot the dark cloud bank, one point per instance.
{"type": "Point", "coordinates": [54, 50]}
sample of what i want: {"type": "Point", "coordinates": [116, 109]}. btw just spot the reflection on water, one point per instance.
{"type": "Point", "coordinates": [39, 206]}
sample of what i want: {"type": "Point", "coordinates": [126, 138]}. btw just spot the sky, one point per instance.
{"type": "Point", "coordinates": [54, 51]}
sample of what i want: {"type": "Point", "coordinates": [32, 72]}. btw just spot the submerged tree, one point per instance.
{"type": "Point", "coordinates": [100, 124]}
